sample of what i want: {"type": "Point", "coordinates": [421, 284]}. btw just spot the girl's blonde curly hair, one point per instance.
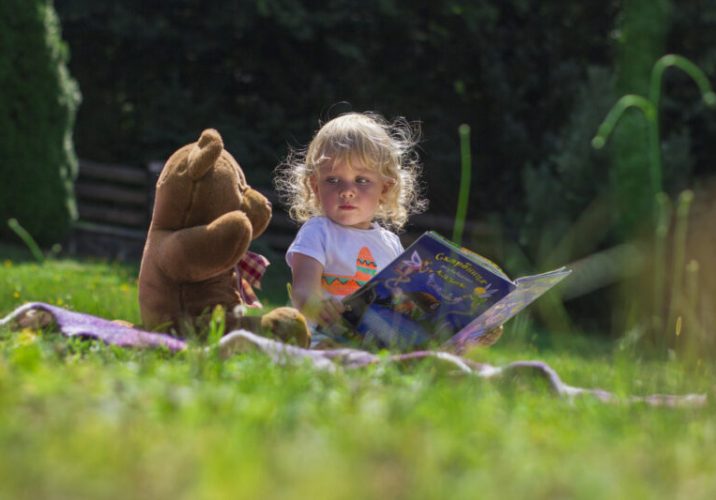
{"type": "Point", "coordinates": [367, 138]}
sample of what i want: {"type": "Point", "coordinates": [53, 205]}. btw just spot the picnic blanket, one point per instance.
{"type": "Point", "coordinates": [76, 324]}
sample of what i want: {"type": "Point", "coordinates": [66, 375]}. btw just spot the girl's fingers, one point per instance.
{"type": "Point", "coordinates": [331, 310]}
{"type": "Point", "coordinates": [336, 306]}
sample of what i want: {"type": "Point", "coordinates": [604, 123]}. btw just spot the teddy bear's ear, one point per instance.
{"type": "Point", "coordinates": [204, 154]}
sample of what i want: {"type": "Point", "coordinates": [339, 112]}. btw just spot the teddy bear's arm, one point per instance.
{"type": "Point", "coordinates": [201, 252]}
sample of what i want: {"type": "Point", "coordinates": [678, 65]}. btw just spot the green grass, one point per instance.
{"type": "Point", "coordinates": [84, 420]}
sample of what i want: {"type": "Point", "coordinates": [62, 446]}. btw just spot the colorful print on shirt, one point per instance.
{"type": "Point", "coordinates": [344, 285]}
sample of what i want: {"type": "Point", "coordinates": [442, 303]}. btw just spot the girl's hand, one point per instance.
{"type": "Point", "coordinates": [329, 311]}
{"type": "Point", "coordinates": [306, 293]}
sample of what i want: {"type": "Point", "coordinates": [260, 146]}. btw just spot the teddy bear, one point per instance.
{"type": "Point", "coordinates": [196, 254]}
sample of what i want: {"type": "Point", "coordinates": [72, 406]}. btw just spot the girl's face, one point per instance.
{"type": "Point", "coordinates": [349, 193]}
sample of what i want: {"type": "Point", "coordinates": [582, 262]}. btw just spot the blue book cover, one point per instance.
{"type": "Point", "coordinates": [436, 292]}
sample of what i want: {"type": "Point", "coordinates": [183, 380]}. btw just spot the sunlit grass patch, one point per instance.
{"type": "Point", "coordinates": [103, 289]}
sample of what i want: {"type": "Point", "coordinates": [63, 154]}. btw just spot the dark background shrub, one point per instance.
{"type": "Point", "coordinates": [38, 100]}
{"type": "Point", "coordinates": [265, 73]}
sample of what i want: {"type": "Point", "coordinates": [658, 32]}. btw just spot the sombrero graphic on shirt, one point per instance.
{"type": "Point", "coordinates": [366, 268]}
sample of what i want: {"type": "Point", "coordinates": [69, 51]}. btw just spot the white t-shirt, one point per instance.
{"type": "Point", "coordinates": [349, 256]}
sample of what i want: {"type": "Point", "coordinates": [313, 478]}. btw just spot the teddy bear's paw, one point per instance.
{"type": "Point", "coordinates": [287, 325]}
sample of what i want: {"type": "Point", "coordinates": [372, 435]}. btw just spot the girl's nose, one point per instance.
{"type": "Point", "coordinates": [347, 192]}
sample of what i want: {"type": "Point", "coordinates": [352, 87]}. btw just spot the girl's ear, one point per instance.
{"type": "Point", "coordinates": [388, 186]}
{"type": "Point", "coordinates": [313, 182]}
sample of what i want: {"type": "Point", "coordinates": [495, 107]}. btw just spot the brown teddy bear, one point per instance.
{"type": "Point", "coordinates": [205, 216]}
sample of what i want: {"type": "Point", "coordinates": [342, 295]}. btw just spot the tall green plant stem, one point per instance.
{"type": "Point", "coordinates": [27, 239]}
{"type": "Point", "coordinates": [465, 179]}
{"type": "Point", "coordinates": [650, 109]}
{"type": "Point", "coordinates": [693, 327]}
{"type": "Point", "coordinates": [679, 255]}
{"type": "Point", "coordinates": [655, 91]}
{"type": "Point", "coordinates": [696, 74]}
{"type": "Point", "coordinates": [661, 232]}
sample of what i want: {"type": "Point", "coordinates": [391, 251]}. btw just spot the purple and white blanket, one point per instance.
{"type": "Point", "coordinates": [74, 324]}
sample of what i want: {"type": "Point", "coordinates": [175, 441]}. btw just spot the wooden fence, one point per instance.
{"type": "Point", "coordinates": [115, 205]}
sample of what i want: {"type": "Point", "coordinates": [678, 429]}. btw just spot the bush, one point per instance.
{"type": "Point", "coordinates": [264, 73]}
{"type": "Point", "coordinates": [38, 100]}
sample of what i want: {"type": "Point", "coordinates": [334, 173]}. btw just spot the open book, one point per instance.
{"type": "Point", "coordinates": [436, 292]}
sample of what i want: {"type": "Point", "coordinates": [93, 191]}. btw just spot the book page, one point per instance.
{"type": "Point", "coordinates": [528, 289]}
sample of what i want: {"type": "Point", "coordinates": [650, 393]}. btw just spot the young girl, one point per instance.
{"type": "Point", "coordinates": [354, 185]}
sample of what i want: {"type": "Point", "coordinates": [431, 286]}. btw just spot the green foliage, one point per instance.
{"type": "Point", "coordinates": [554, 219]}
{"type": "Point", "coordinates": [38, 100]}
{"type": "Point", "coordinates": [641, 41]}
{"type": "Point", "coordinates": [575, 170]}
{"type": "Point", "coordinates": [568, 214]}
{"type": "Point", "coordinates": [693, 35]}
{"type": "Point", "coordinates": [266, 72]}
{"type": "Point", "coordinates": [510, 70]}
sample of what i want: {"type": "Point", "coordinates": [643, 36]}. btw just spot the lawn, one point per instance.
{"type": "Point", "coordinates": [82, 420]}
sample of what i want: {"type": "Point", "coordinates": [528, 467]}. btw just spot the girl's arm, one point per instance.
{"type": "Point", "coordinates": [306, 293]}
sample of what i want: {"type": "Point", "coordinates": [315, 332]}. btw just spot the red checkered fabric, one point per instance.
{"type": "Point", "coordinates": [249, 271]}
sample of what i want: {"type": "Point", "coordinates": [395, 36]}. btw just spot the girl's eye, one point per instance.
{"type": "Point", "coordinates": [331, 180]}
{"type": "Point", "coordinates": [362, 180]}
